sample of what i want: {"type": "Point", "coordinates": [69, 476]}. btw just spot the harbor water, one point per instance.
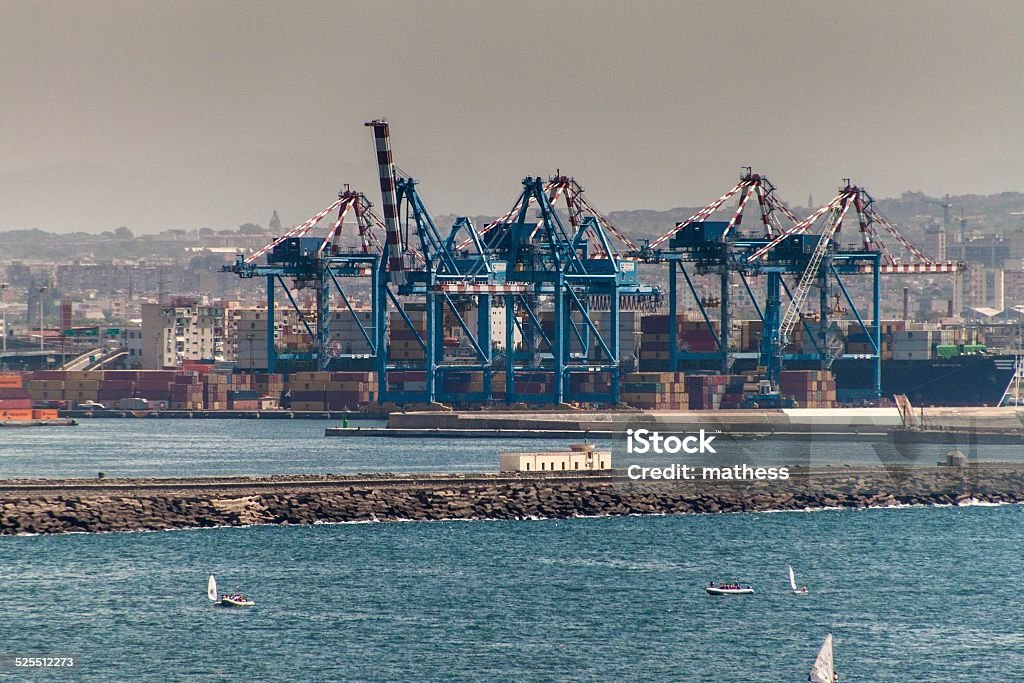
{"type": "Point", "coordinates": [216, 447]}
{"type": "Point", "coordinates": [922, 594]}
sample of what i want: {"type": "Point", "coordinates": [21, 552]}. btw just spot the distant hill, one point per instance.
{"type": "Point", "coordinates": [999, 213]}
{"type": "Point", "coordinates": [221, 191]}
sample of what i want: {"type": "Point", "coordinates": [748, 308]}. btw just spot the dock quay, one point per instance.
{"type": "Point", "coordinates": [952, 426]}
{"type": "Point", "coordinates": [225, 414]}
{"type": "Point", "coordinates": [105, 505]}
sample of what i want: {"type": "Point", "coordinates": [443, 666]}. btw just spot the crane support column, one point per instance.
{"type": "Point", "coordinates": [483, 335]}
{"type": "Point", "coordinates": [726, 322]}
{"type": "Point", "coordinates": [323, 317]}
{"type": "Point", "coordinates": [435, 341]}
{"type": "Point", "coordinates": [271, 349]}
{"type": "Point", "coordinates": [380, 332]}
{"type": "Point", "coordinates": [613, 345]}
{"type": "Point", "coordinates": [876, 323]}
{"type": "Point", "coordinates": [824, 350]}
{"type": "Point", "coordinates": [673, 330]}
{"type": "Point", "coordinates": [559, 339]}
{"type": "Point", "coordinates": [510, 346]}
{"type": "Point", "coordinates": [771, 346]}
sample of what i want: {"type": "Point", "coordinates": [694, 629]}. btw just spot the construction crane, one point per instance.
{"type": "Point", "coordinates": [946, 206]}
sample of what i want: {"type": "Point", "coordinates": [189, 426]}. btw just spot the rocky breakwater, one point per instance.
{"type": "Point", "coordinates": [42, 507]}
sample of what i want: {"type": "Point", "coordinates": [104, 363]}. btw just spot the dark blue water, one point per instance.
{"type": "Point", "coordinates": [910, 595]}
{"type": "Point", "coordinates": [168, 448]}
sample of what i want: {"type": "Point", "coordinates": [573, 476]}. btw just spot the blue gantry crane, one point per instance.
{"type": "Point", "coordinates": [571, 268]}
{"type": "Point", "coordinates": [814, 255]}
{"type": "Point", "coordinates": [701, 246]}
{"type": "Point", "coordinates": [297, 260]}
{"type": "Point", "coordinates": [784, 246]}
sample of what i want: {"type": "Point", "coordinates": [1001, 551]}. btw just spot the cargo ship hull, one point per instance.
{"type": "Point", "coordinates": [957, 381]}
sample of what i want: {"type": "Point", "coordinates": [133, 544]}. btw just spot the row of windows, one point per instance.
{"type": "Point", "coordinates": [576, 466]}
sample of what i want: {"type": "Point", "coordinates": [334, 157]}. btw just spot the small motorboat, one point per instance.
{"type": "Point", "coordinates": [226, 600]}
{"type": "Point", "coordinates": [728, 589]}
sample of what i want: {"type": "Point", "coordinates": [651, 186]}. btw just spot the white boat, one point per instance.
{"type": "Point", "coordinates": [792, 583]}
{"type": "Point", "coordinates": [823, 670]}
{"type": "Point", "coordinates": [728, 589]}
{"type": "Point", "coordinates": [227, 600]}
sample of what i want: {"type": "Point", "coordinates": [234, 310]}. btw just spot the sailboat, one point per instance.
{"type": "Point", "coordinates": [792, 583]}
{"type": "Point", "coordinates": [823, 670]}
{"type": "Point", "coordinates": [227, 600]}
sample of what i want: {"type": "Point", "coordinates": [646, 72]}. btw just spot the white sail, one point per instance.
{"type": "Point", "coordinates": [823, 671]}
{"type": "Point", "coordinates": [792, 577]}
{"type": "Point", "coordinates": [211, 589]}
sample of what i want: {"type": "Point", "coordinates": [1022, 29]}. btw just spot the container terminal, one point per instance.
{"type": "Point", "coordinates": [551, 304]}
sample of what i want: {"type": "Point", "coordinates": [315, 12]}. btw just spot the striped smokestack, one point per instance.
{"type": "Point", "coordinates": [393, 247]}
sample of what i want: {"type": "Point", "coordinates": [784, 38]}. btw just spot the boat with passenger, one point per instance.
{"type": "Point", "coordinates": [728, 589]}
{"type": "Point", "coordinates": [228, 599]}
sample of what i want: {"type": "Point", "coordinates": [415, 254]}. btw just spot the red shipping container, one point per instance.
{"type": "Point", "coordinates": [15, 404]}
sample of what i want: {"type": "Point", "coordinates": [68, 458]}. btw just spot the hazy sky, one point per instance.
{"type": "Point", "coordinates": [157, 114]}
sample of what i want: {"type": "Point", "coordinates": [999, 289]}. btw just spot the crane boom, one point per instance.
{"type": "Point", "coordinates": [789, 320]}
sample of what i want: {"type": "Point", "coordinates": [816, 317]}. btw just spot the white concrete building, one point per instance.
{"type": "Point", "coordinates": [579, 457]}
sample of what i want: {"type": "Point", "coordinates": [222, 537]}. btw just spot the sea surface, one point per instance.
{"type": "Point", "coordinates": [207, 447]}
{"type": "Point", "coordinates": [914, 594]}
{"type": "Point", "coordinates": [910, 594]}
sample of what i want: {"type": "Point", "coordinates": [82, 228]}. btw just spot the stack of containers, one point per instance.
{"type": "Point", "coordinates": [464, 382]}
{"type": "Point", "coordinates": [15, 400]}
{"type": "Point", "coordinates": [117, 386]}
{"type": "Point", "coordinates": [534, 383]}
{"type": "Point", "coordinates": [583, 383]}
{"type": "Point", "coordinates": [547, 324]}
{"type": "Point", "coordinates": [691, 335]}
{"type": "Point", "coordinates": [349, 390]}
{"type": "Point", "coordinates": [655, 390]}
{"type": "Point", "coordinates": [750, 336]}
{"type": "Point", "coordinates": [402, 340]}
{"type": "Point", "coordinates": [705, 392]}
{"type": "Point", "coordinates": [187, 392]}
{"type": "Point", "coordinates": [239, 382]}
{"type": "Point", "coordinates": [243, 399]}
{"type": "Point", "coordinates": [46, 385]}
{"type": "Point", "coordinates": [345, 331]}
{"type": "Point", "coordinates": [154, 385]}
{"type": "Point", "coordinates": [809, 388]}
{"type": "Point", "coordinates": [695, 336]}
{"type": "Point", "coordinates": [915, 344]}
{"type": "Point", "coordinates": [307, 389]}
{"type": "Point", "coordinates": [629, 333]}
{"type": "Point", "coordinates": [332, 390]}
{"type": "Point", "coordinates": [654, 345]}
{"type": "Point", "coordinates": [269, 384]}
{"type": "Point", "coordinates": [735, 385]}
{"type": "Point", "coordinates": [81, 386]}
{"type": "Point", "coordinates": [216, 392]}
{"type": "Point", "coordinates": [407, 380]}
